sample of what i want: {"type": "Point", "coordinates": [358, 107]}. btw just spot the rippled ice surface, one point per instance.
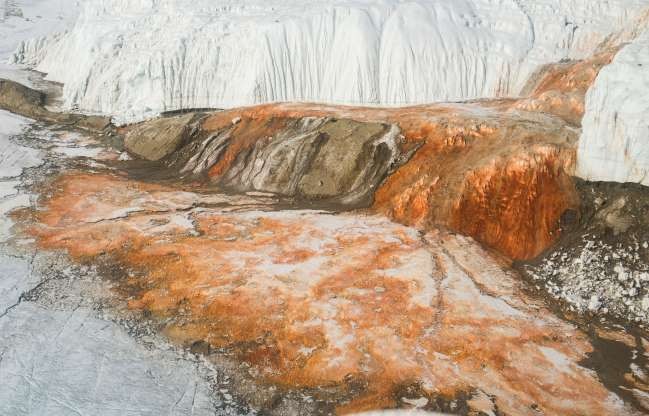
{"type": "Point", "coordinates": [67, 362]}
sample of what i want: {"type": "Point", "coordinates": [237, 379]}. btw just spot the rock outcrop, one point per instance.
{"type": "Point", "coordinates": [306, 158]}
{"type": "Point", "coordinates": [157, 139]}
{"type": "Point", "coordinates": [28, 102]}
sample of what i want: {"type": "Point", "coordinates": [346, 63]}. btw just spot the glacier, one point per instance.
{"type": "Point", "coordinates": [30, 22]}
{"type": "Point", "coordinates": [226, 53]}
{"type": "Point", "coordinates": [615, 137]}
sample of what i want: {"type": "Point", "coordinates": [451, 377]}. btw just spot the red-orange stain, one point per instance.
{"type": "Point", "coordinates": [452, 323]}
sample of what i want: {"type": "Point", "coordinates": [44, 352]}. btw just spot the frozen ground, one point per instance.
{"type": "Point", "coordinates": [205, 53]}
{"type": "Point", "coordinates": [62, 352]}
{"type": "Point", "coordinates": [22, 20]}
{"type": "Point", "coordinates": [601, 266]}
{"type": "Point", "coordinates": [69, 362]}
{"type": "Point", "coordinates": [13, 159]}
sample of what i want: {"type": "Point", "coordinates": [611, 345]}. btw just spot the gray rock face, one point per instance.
{"type": "Point", "coordinates": [204, 154]}
{"type": "Point", "coordinates": [27, 102]}
{"type": "Point", "coordinates": [319, 159]}
{"type": "Point", "coordinates": [315, 159]}
{"type": "Point", "coordinates": [19, 98]}
{"type": "Point", "coordinates": [159, 138]}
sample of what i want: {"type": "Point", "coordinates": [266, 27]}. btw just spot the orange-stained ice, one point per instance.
{"type": "Point", "coordinates": [311, 299]}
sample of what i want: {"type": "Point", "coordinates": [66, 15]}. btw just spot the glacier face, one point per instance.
{"type": "Point", "coordinates": [614, 145]}
{"type": "Point", "coordinates": [30, 23]}
{"type": "Point", "coordinates": [23, 20]}
{"type": "Point", "coordinates": [133, 58]}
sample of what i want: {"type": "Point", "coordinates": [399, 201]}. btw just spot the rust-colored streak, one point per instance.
{"type": "Point", "coordinates": [560, 89]}
{"type": "Point", "coordinates": [515, 205]}
{"type": "Point", "coordinates": [309, 299]}
{"type": "Point", "coordinates": [455, 144]}
{"type": "Point", "coordinates": [248, 130]}
{"type": "Point", "coordinates": [493, 182]}
{"type": "Point", "coordinates": [486, 168]}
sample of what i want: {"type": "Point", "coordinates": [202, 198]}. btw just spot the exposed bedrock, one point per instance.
{"type": "Point", "coordinates": [27, 102]}
{"type": "Point", "coordinates": [502, 177]}
{"type": "Point", "coordinates": [340, 159]}
{"type": "Point", "coordinates": [311, 159]}
{"type": "Point", "coordinates": [157, 139]}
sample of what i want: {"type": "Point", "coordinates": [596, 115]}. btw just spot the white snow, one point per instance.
{"type": "Point", "coordinates": [13, 159]}
{"type": "Point", "coordinates": [21, 20]}
{"type": "Point", "coordinates": [15, 279]}
{"type": "Point", "coordinates": [34, 20]}
{"type": "Point", "coordinates": [614, 145]}
{"type": "Point", "coordinates": [225, 53]}
{"type": "Point", "coordinates": [83, 151]}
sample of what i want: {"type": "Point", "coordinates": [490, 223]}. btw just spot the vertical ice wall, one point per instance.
{"type": "Point", "coordinates": [133, 58]}
{"type": "Point", "coordinates": [25, 22]}
{"type": "Point", "coordinates": [614, 145]}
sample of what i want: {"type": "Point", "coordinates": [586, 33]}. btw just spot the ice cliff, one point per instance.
{"type": "Point", "coordinates": [24, 22]}
{"type": "Point", "coordinates": [615, 138]}
{"type": "Point", "coordinates": [133, 58]}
